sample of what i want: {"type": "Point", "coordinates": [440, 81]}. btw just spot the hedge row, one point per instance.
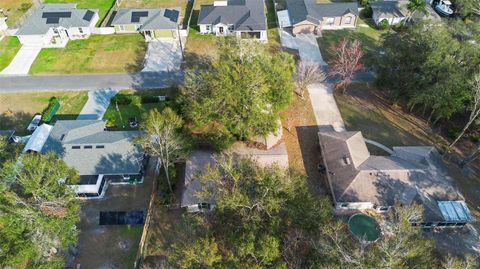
{"type": "Point", "coordinates": [51, 110]}
{"type": "Point", "coordinates": [127, 99]}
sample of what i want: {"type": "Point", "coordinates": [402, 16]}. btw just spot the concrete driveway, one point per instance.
{"type": "Point", "coordinates": [163, 55]}
{"type": "Point", "coordinates": [326, 111]}
{"type": "Point", "coordinates": [97, 104]}
{"type": "Point", "coordinates": [306, 44]}
{"type": "Point", "coordinates": [24, 58]}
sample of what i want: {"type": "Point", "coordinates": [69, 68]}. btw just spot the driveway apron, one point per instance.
{"type": "Point", "coordinates": [24, 58]}
{"type": "Point", "coordinates": [97, 104]}
{"type": "Point", "coordinates": [163, 55]}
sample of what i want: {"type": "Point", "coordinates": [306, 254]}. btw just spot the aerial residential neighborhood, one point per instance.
{"type": "Point", "coordinates": [239, 134]}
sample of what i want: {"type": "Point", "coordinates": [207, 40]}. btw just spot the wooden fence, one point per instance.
{"type": "Point", "coordinates": [148, 219]}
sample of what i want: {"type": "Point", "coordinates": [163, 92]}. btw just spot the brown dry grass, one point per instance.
{"type": "Point", "coordinates": [301, 138]}
{"type": "Point", "coordinates": [14, 9]}
{"type": "Point", "coordinates": [17, 109]}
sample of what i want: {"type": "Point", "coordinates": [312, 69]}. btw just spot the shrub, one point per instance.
{"type": "Point", "coordinates": [367, 12]}
{"type": "Point", "coordinates": [453, 132]}
{"type": "Point", "coordinates": [52, 108]}
{"type": "Point", "coordinates": [475, 138]}
{"type": "Point", "coordinates": [399, 26]}
{"type": "Point", "coordinates": [126, 99]}
{"type": "Point", "coordinates": [364, 3]}
{"type": "Point", "coordinates": [383, 24]}
{"type": "Point", "coordinates": [149, 99]}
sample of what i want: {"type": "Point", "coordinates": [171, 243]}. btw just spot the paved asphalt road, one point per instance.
{"type": "Point", "coordinates": [144, 80]}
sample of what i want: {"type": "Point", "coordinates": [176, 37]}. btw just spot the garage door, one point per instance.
{"type": "Point", "coordinates": [164, 33]}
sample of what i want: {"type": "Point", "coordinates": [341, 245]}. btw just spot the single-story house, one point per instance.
{"type": "Point", "coordinates": [358, 180]}
{"type": "Point", "coordinates": [53, 25]}
{"type": "Point", "coordinates": [311, 17]}
{"type": "Point", "coordinates": [98, 155]}
{"type": "Point", "coordinates": [244, 19]}
{"type": "Point", "coordinates": [193, 196]}
{"type": "Point", "coordinates": [152, 23]}
{"type": "Point", "coordinates": [392, 11]}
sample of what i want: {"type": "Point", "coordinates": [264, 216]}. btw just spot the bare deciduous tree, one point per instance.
{"type": "Point", "coordinates": [474, 110]}
{"type": "Point", "coordinates": [307, 73]}
{"type": "Point", "coordinates": [346, 62]}
{"type": "Point", "coordinates": [295, 247]}
{"type": "Point", "coordinates": [162, 138]}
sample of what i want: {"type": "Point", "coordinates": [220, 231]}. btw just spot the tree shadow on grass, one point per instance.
{"type": "Point", "coordinates": [17, 121]}
{"type": "Point", "coordinates": [311, 155]}
{"type": "Point", "coordinates": [369, 45]}
{"type": "Point", "coordinates": [139, 59]}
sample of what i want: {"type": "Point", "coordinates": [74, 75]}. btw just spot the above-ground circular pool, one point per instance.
{"type": "Point", "coordinates": [364, 227]}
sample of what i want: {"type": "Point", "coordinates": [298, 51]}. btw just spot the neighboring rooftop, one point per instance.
{"type": "Point", "coordinates": [87, 146]}
{"type": "Point", "coordinates": [8, 134]}
{"type": "Point", "coordinates": [245, 15]}
{"type": "Point", "coordinates": [311, 10]}
{"type": "Point", "coordinates": [55, 15]}
{"type": "Point", "coordinates": [196, 164]}
{"type": "Point", "coordinates": [412, 174]}
{"type": "Point", "coordinates": [389, 9]}
{"type": "Point", "coordinates": [148, 18]}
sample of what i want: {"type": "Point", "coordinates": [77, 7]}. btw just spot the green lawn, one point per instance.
{"type": "Point", "coordinates": [97, 54]}
{"type": "Point", "coordinates": [14, 9]}
{"type": "Point", "coordinates": [103, 6]}
{"type": "Point", "coordinates": [9, 46]}
{"type": "Point", "coordinates": [17, 109]}
{"type": "Point", "coordinates": [118, 119]}
{"type": "Point", "coordinates": [365, 109]}
{"type": "Point", "coordinates": [370, 38]}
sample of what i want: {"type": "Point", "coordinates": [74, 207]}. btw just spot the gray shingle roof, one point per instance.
{"type": "Point", "coordinates": [37, 24]}
{"type": "Point", "coordinates": [245, 15]}
{"type": "Point", "coordinates": [301, 10]}
{"type": "Point", "coordinates": [157, 19]}
{"type": "Point", "coordinates": [388, 9]}
{"type": "Point", "coordinates": [196, 164]}
{"type": "Point", "coordinates": [413, 174]}
{"type": "Point", "coordinates": [116, 153]}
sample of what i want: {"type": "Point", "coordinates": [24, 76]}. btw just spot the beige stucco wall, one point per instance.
{"type": "Point", "coordinates": [340, 22]}
{"type": "Point", "coordinates": [164, 33]}
{"type": "Point", "coordinates": [304, 28]}
{"type": "Point", "coordinates": [128, 28]}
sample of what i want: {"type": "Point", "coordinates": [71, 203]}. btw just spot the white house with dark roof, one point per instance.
{"type": "Point", "coordinates": [311, 17]}
{"type": "Point", "coordinates": [53, 25]}
{"type": "Point", "coordinates": [155, 23]}
{"type": "Point", "coordinates": [99, 156]}
{"type": "Point", "coordinates": [392, 11]}
{"type": "Point", "coordinates": [358, 180]}
{"type": "Point", "coordinates": [244, 19]}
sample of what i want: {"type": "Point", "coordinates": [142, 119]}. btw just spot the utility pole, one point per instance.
{"type": "Point", "coordinates": [180, 40]}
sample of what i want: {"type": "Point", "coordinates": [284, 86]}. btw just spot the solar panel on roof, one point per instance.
{"type": "Point", "coordinates": [53, 20]}
{"type": "Point", "coordinates": [88, 15]}
{"type": "Point", "coordinates": [136, 15]}
{"type": "Point", "coordinates": [174, 15]}
{"type": "Point", "coordinates": [56, 15]}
